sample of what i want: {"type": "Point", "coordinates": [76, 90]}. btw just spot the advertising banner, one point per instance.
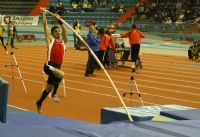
{"type": "Point", "coordinates": [20, 20]}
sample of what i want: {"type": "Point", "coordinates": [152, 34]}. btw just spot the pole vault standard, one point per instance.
{"type": "Point", "coordinates": [102, 67]}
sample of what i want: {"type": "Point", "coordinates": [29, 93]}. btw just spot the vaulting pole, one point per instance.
{"type": "Point", "coordinates": [102, 67]}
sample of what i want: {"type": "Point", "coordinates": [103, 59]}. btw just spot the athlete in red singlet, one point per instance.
{"type": "Point", "coordinates": [56, 51]}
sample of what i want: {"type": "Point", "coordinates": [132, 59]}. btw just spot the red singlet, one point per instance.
{"type": "Point", "coordinates": [56, 51]}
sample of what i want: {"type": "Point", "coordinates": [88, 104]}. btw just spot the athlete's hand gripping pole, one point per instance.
{"type": "Point", "coordinates": [96, 58]}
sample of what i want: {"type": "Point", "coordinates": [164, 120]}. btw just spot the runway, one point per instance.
{"type": "Point", "coordinates": [164, 79]}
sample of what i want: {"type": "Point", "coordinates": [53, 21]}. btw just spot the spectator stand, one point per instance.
{"type": "Point", "coordinates": [14, 7]}
{"type": "Point", "coordinates": [101, 13]}
{"type": "Point", "coordinates": [127, 13]}
{"type": "Point", "coordinates": [175, 18]}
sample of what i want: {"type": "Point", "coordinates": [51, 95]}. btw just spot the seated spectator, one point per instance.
{"type": "Point", "coordinates": [59, 8]}
{"type": "Point", "coordinates": [167, 24]}
{"type": "Point", "coordinates": [194, 50]}
{"type": "Point", "coordinates": [140, 8]}
{"type": "Point", "coordinates": [94, 3]}
{"type": "Point", "coordinates": [116, 7]}
{"type": "Point", "coordinates": [90, 7]}
{"type": "Point", "coordinates": [179, 25]}
{"type": "Point", "coordinates": [87, 7]}
{"type": "Point", "coordinates": [182, 9]}
{"type": "Point", "coordinates": [121, 9]}
{"type": "Point", "coordinates": [52, 7]}
{"type": "Point", "coordinates": [74, 5]}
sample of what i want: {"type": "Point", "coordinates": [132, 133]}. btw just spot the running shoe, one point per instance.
{"type": "Point", "coordinates": [55, 98]}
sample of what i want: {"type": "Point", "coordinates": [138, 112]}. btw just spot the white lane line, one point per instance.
{"type": "Point", "coordinates": [186, 70]}
{"type": "Point", "coordinates": [156, 88]}
{"type": "Point", "coordinates": [138, 79]}
{"type": "Point", "coordinates": [177, 99]}
{"type": "Point", "coordinates": [85, 91]}
{"type": "Point", "coordinates": [165, 83]}
{"type": "Point", "coordinates": [162, 73]}
{"type": "Point", "coordinates": [108, 95]}
{"type": "Point", "coordinates": [165, 66]}
{"type": "Point", "coordinates": [18, 108]}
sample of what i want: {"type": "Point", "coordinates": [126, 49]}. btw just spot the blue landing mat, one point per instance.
{"type": "Point", "coordinates": [60, 127]}
{"type": "Point", "coordinates": [28, 124]}
{"type": "Point", "coordinates": [190, 114]}
{"type": "Point", "coordinates": [144, 113]}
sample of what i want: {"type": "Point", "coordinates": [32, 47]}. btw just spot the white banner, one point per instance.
{"type": "Point", "coordinates": [22, 20]}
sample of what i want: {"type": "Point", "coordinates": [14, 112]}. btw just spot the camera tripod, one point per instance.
{"type": "Point", "coordinates": [132, 83]}
{"type": "Point", "coordinates": [15, 64]}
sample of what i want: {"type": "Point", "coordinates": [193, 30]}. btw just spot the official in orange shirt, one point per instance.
{"type": "Point", "coordinates": [110, 59]}
{"type": "Point", "coordinates": [102, 45]}
{"type": "Point", "coordinates": [134, 36]}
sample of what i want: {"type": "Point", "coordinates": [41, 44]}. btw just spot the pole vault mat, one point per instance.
{"type": "Point", "coordinates": [190, 114]}
{"type": "Point", "coordinates": [162, 118]}
{"type": "Point", "coordinates": [21, 123]}
{"type": "Point", "coordinates": [144, 113]}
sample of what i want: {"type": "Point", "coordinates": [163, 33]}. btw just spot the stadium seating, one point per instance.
{"type": "Point", "coordinates": [17, 7]}
{"type": "Point", "coordinates": [102, 15]}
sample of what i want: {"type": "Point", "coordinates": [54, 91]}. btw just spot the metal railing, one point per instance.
{"type": "Point", "coordinates": [164, 28]}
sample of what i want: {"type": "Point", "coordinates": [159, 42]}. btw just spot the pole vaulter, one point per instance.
{"type": "Point", "coordinates": [102, 67]}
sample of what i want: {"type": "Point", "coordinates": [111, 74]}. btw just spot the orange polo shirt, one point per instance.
{"type": "Point", "coordinates": [102, 44]}
{"type": "Point", "coordinates": [109, 42]}
{"type": "Point", "coordinates": [134, 36]}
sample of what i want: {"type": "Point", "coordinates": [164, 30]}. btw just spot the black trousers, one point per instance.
{"type": "Point", "coordinates": [91, 63]}
{"type": "Point", "coordinates": [51, 78]}
{"type": "Point", "coordinates": [135, 50]}
{"type": "Point", "coordinates": [101, 55]}
{"type": "Point", "coordinates": [77, 42]}
{"type": "Point", "coordinates": [2, 41]}
{"type": "Point", "coordinates": [12, 38]}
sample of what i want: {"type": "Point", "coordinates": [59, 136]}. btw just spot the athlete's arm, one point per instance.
{"type": "Point", "coordinates": [64, 33]}
{"type": "Point", "coordinates": [46, 28]}
{"type": "Point", "coordinates": [64, 30]}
